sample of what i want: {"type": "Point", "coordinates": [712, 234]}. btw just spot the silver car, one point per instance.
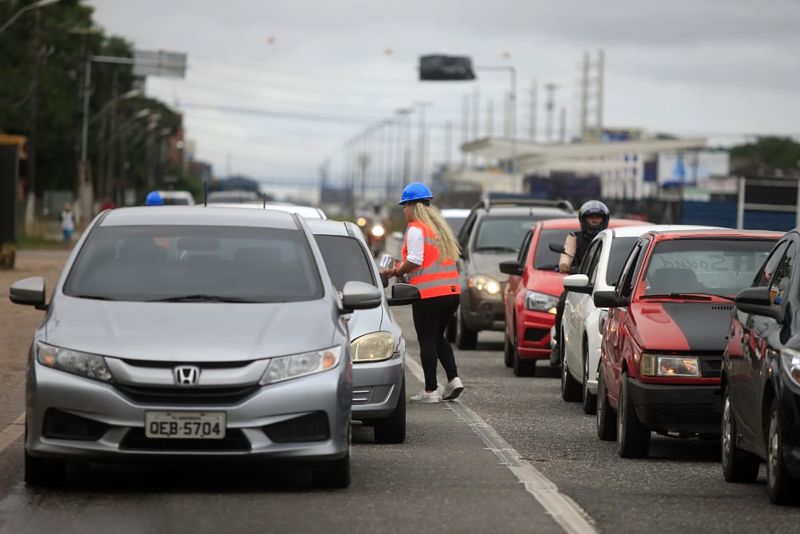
{"type": "Point", "coordinates": [379, 349]}
{"type": "Point", "coordinates": [179, 333]}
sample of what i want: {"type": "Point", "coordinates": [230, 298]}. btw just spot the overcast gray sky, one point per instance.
{"type": "Point", "coordinates": [722, 68]}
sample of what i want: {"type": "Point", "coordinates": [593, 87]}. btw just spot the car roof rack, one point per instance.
{"type": "Point", "coordinates": [488, 203]}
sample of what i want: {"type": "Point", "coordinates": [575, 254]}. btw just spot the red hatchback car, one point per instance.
{"type": "Point", "coordinates": [532, 292]}
{"type": "Point", "coordinates": [669, 315]}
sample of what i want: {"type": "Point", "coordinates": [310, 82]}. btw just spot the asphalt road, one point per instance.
{"type": "Point", "coordinates": [445, 478]}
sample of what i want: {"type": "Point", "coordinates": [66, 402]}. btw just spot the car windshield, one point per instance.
{"type": "Point", "coordinates": [195, 264]}
{"type": "Point", "coordinates": [544, 258]}
{"type": "Point", "coordinates": [620, 249]}
{"type": "Point", "coordinates": [345, 260]}
{"type": "Point", "coordinates": [502, 234]}
{"type": "Point", "coordinates": [706, 266]}
{"type": "Point", "coordinates": [455, 223]}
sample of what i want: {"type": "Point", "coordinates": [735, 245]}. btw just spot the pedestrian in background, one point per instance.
{"type": "Point", "coordinates": [67, 223]}
{"type": "Point", "coordinates": [429, 261]}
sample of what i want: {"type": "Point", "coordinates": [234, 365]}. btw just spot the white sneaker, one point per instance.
{"type": "Point", "coordinates": [453, 389]}
{"type": "Point", "coordinates": [428, 397]}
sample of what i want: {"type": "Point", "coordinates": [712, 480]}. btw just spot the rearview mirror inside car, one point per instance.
{"type": "Point", "coordinates": [360, 296]}
{"type": "Point", "coordinates": [511, 267]}
{"type": "Point", "coordinates": [610, 299]}
{"type": "Point", "coordinates": [578, 283]}
{"type": "Point", "coordinates": [29, 291]}
{"type": "Point", "coordinates": [403, 294]}
{"type": "Point", "coordinates": [757, 300]}
{"type": "Point", "coordinates": [556, 248]}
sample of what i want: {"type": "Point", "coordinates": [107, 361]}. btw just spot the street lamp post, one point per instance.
{"type": "Point", "coordinates": [29, 7]}
{"type": "Point", "coordinates": [512, 97]}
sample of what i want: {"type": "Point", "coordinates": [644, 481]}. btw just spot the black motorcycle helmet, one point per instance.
{"type": "Point", "coordinates": [593, 207]}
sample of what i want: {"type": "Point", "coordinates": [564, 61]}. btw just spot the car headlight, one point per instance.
{"type": "Point", "coordinates": [74, 362]}
{"type": "Point", "coordinates": [669, 366]}
{"type": "Point", "coordinates": [542, 302]}
{"type": "Point", "coordinates": [791, 364]}
{"type": "Point", "coordinates": [308, 363]}
{"type": "Point", "coordinates": [373, 347]}
{"type": "Point", "coordinates": [485, 284]}
{"type": "Point", "coordinates": [378, 231]}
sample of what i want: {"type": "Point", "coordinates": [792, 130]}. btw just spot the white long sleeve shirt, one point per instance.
{"type": "Point", "coordinates": [415, 245]}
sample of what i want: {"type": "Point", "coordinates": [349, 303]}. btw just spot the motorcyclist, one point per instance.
{"type": "Point", "coordinates": [593, 217]}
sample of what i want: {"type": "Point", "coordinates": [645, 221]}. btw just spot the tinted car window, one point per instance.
{"type": "Point", "coordinates": [765, 276]}
{"type": "Point", "coordinates": [779, 287]}
{"type": "Point", "coordinates": [719, 266]}
{"type": "Point", "coordinates": [620, 249]}
{"type": "Point", "coordinates": [345, 260]}
{"type": "Point", "coordinates": [147, 263]}
{"type": "Point", "coordinates": [502, 233]}
{"type": "Point", "coordinates": [544, 258]}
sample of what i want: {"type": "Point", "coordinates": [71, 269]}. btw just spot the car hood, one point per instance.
{"type": "Point", "coordinates": [682, 326]}
{"type": "Point", "coordinates": [548, 282]}
{"type": "Point", "coordinates": [489, 264]}
{"type": "Point", "coordinates": [365, 321]}
{"type": "Point", "coordinates": [190, 332]}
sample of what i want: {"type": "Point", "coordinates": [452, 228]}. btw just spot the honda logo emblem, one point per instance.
{"type": "Point", "coordinates": [187, 375]}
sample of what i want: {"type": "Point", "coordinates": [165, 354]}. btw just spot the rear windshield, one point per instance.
{"type": "Point", "coordinates": [620, 249]}
{"type": "Point", "coordinates": [345, 260]}
{"type": "Point", "coordinates": [714, 266]}
{"type": "Point", "coordinates": [502, 234]}
{"type": "Point", "coordinates": [175, 201]}
{"type": "Point", "coordinates": [187, 263]}
{"type": "Point", "coordinates": [544, 258]}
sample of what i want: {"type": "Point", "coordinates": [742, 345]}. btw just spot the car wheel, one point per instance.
{"type": "Point", "coordinates": [334, 474]}
{"type": "Point", "coordinates": [523, 367]}
{"type": "Point", "coordinates": [392, 429]}
{"type": "Point", "coordinates": [466, 339]}
{"type": "Point", "coordinates": [508, 352]}
{"type": "Point", "coordinates": [633, 438]}
{"type": "Point", "coordinates": [781, 486]}
{"type": "Point", "coordinates": [44, 471]}
{"type": "Point", "coordinates": [589, 400]}
{"type": "Point", "coordinates": [737, 465]}
{"type": "Point", "coordinates": [606, 425]}
{"type": "Point", "coordinates": [570, 389]}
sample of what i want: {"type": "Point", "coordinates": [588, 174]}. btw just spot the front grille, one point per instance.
{"type": "Point", "coordinates": [187, 395]}
{"type": "Point", "coordinates": [311, 427]}
{"type": "Point", "coordinates": [234, 441]}
{"type": "Point", "coordinates": [202, 365]}
{"type": "Point", "coordinates": [722, 307]}
{"type": "Point", "coordinates": [62, 425]}
{"type": "Point", "coordinates": [536, 334]}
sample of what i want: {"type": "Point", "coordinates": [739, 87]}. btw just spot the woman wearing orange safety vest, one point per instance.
{"type": "Point", "coordinates": [429, 261]}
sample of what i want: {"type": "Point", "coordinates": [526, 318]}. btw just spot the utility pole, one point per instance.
{"type": "Point", "coordinates": [562, 126]}
{"type": "Point", "coordinates": [448, 143]}
{"type": "Point", "coordinates": [584, 102]}
{"type": "Point", "coordinates": [476, 114]}
{"type": "Point", "coordinates": [421, 141]}
{"type": "Point", "coordinates": [532, 125]}
{"type": "Point", "coordinates": [464, 127]}
{"type": "Point", "coordinates": [30, 207]}
{"type": "Point", "coordinates": [550, 104]}
{"type": "Point", "coordinates": [489, 118]}
{"type": "Point", "coordinates": [601, 66]}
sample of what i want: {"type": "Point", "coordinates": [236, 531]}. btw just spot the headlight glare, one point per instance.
{"type": "Point", "coordinates": [378, 231]}
{"type": "Point", "coordinates": [542, 302]}
{"type": "Point", "coordinates": [373, 347]}
{"type": "Point", "coordinates": [287, 367]}
{"type": "Point", "coordinates": [74, 362]}
{"type": "Point", "coordinates": [669, 366]}
{"type": "Point", "coordinates": [791, 364]}
{"type": "Point", "coordinates": [485, 284]}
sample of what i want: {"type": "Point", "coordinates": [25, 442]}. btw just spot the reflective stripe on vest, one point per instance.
{"type": "Point", "coordinates": [434, 278]}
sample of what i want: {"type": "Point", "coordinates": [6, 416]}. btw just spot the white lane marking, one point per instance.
{"type": "Point", "coordinates": [565, 511]}
{"type": "Point", "coordinates": [12, 432]}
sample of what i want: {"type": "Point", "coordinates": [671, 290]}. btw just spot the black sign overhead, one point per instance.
{"type": "Point", "coordinates": [444, 68]}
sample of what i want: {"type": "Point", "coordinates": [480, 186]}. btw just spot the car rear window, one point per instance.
{"type": "Point", "coordinates": [544, 258]}
{"type": "Point", "coordinates": [149, 263]}
{"type": "Point", "coordinates": [345, 260]}
{"type": "Point", "coordinates": [620, 249]}
{"type": "Point", "coordinates": [502, 234]}
{"type": "Point", "coordinates": [715, 266]}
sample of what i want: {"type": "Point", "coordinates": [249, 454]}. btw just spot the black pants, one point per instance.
{"type": "Point", "coordinates": [562, 301]}
{"type": "Point", "coordinates": [431, 317]}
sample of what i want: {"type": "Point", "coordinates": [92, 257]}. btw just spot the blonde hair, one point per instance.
{"type": "Point", "coordinates": [445, 240]}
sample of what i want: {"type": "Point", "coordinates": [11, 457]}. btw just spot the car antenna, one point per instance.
{"type": "Point", "coordinates": [205, 193]}
{"type": "Point", "coordinates": [264, 199]}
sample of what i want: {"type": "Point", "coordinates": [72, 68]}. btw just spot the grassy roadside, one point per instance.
{"type": "Point", "coordinates": [25, 242]}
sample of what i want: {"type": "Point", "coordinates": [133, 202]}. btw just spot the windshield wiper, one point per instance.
{"type": "Point", "coordinates": [496, 249]}
{"type": "Point", "coordinates": [201, 297]}
{"type": "Point", "coordinates": [93, 297]}
{"type": "Point", "coordinates": [688, 296]}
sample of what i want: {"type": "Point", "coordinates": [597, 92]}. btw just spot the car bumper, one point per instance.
{"type": "Point", "coordinates": [678, 408]}
{"type": "Point", "coordinates": [482, 312]}
{"type": "Point", "coordinates": [376, 388]}
{"type": "Point", "coordinates": [274, 410]}
{"type": "Point", "coordinates": [533, 335]}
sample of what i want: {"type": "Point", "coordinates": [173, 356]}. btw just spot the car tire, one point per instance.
{"type": "Point", "coordinates": [521, 366]}
{"type": "Point", "coordinates": [44, 471]}
{"type": "Point", "coordinates": [334, 474]}
{"type": "Point", "coordinates": [606, 424]}
{"type": "Point", "coordinates": [570, 389]}
{"type": "Point", "coordinates": [589, 400]}
{"type": "Point", "coordinates": [466, 339]}
{"type": "Point", "coordinates": [737, 465]}
{"type": "Point", "coordinates": [633, 438]}
{"type": "Point", "coordinates": [781, 486]}
{"type": "Point", "coordinates": [508, 352]}
{"type": "Point", "coordinates": [392, 429]}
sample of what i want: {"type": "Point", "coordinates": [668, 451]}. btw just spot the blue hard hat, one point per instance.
{"type": "Point", "coordinates": [415, 191]}
{"type": "Point", "coordinates": [154, 199]}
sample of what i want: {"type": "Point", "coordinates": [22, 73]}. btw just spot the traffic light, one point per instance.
{"type": "Point", "coordinates": [445, 68]}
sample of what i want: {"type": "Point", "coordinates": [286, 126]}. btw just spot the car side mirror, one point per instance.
{"type": "Point", "coordinates": [610, 299]}
{"type": "Point", "coordinates": [30, 292]}
{"type": "Point", "coordinates": [757, 300]}
{"type": "Point", "coordinates": [556, 248]}
{"type": "Point", "coordinates": [360, 296]}
{"type": "Point", "coordinates": [578, 283]}
{"type": "Point", "coordinates": [511, 267]}
{"type": "Point", "coordinates": [403, 294]}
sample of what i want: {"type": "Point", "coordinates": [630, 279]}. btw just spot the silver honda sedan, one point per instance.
{"type": "Point", "coordinates": [175, 333]}
{"type": "Point", "coordinates": [379, 350]}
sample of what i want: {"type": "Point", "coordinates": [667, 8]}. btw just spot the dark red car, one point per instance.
{"type": "Point", "coordinates": [532, 292]}
{"type": "Point", "coordinates": [665, 333]}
